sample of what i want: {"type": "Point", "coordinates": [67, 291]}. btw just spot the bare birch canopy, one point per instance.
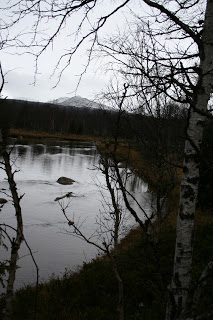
{"type": "Point", "coordinates": [173, 26]}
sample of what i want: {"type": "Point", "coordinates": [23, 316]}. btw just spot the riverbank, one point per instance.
{"type": "Point", "coordinates": [91, 293]}
{"type": "Point", "coordinates": [134, 158]}
{"type": "Point", "coordinates": [43, 135]}
{"type": "Point", "coordinates": [128, 153]}
{"type": "Point", "coordinates": [125, 152]}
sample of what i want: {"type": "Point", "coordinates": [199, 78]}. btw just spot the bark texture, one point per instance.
{"type": "Point", "coordinates": [179, 288]}
{"type": "Point", "coordinates": [16, 242]}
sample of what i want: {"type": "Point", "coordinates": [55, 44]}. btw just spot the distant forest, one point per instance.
{"type": "Point", "coordinates": [168, 130]}
{"type": "Point", "coordinates": [51, 118]}
{"type": "Point", "coordinates": [47, 117]}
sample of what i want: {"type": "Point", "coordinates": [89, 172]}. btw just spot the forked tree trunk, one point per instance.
{"type": "Point", "coordinates": [179, 287]}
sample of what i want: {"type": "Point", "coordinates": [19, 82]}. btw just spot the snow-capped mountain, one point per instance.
{"type": "Point", "coordinates": [78, 102]}
{"type": "Point", "coordinates": [60, 100]}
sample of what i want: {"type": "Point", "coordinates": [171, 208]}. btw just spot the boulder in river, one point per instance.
{"type": "Point", "coordinates": [65, 180]}
{"type": "Point", "coordinates": [2, 201]}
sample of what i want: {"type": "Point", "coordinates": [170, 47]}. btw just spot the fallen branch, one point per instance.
{"type": "Point", "coordinates": [68, 195]}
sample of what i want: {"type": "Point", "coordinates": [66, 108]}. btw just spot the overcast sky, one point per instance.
{"type": "Point", "coordinates": [20, 69]}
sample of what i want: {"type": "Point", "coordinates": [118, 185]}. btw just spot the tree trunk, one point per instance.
{"type": "Point", "coordinates": [179, 287]}
{"type": "Point", "coordinates": [16, 243]}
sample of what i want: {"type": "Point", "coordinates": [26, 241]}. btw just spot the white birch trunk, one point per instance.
{"type": "Point", "coordinates": [179, 287]}
{"type": "Point", "coordinates": [16, 243]}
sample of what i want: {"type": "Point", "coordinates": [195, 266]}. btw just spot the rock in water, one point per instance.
{"type": "Point", "coordinates": [65, 180]}
{"type": "Point", "coordinates": [2, 201]}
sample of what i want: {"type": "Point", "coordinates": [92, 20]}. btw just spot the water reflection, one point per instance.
{"type": "Point", "coordinates": [41, 164]}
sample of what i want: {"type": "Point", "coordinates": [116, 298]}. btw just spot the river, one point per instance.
{"type": "Point", "coordinates": [39, 166]}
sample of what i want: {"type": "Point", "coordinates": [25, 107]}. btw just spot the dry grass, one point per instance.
{"type": "Point", "coordinates": [203, 217]}
{"type": "Point", "coordinates": [126, 153]}
{"type": "Point", "coordinates": [134, 236]}
{"type": "Point", "coordinates": [43, 135]}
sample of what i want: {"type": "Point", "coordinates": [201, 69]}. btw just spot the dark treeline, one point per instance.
{"type": "Point", "coordinates": [51, 118]}
{"type": "Point", "coordinates": [166, 132]}
{"type": "Point", "coordinates": [47, 117]}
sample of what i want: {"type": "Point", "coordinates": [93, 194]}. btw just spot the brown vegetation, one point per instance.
{"type": "Point", "coordinates": [43, 135]}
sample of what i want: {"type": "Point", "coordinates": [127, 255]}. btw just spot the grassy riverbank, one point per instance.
{"type": "Point", "coordinates": [44, 135]}
{"type": "Point", "coordinates": [91, 292]}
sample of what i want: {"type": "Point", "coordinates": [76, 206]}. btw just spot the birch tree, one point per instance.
{"type": "Point", "coordinates": [180, 65]}
{"type": "Point", "coordinates": [110, 226]}
{"type": "Point", "coordinates": [189, 185]}
{"type": "Point", "coordinates": [14, 235]}
{"type": "Point", "coordinates": [15, 242]}
{"type": "Point", "coordinates": [153, 70]}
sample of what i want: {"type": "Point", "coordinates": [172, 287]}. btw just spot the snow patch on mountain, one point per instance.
{"type": "Point", "coordinates": [78, 102]}
{"type": "Point", "coordinates": [59, 100]}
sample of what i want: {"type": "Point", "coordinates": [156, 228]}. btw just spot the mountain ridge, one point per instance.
{"type": "Point", "coordinates": [77, 101]}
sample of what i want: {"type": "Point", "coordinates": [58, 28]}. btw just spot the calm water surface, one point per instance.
{"type": "Point", "coordinates": [40, 165]}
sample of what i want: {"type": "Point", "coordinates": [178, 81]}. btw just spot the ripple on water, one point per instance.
{"type": "Point", "coordinates": [41, 165]}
